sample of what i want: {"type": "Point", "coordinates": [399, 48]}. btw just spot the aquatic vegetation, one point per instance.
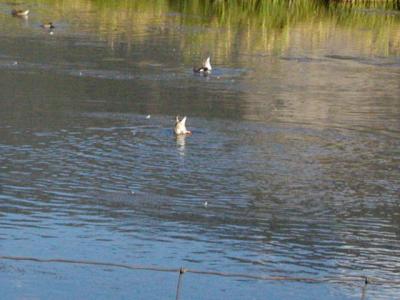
{"type": "Point", "coordinates": [267, 26]}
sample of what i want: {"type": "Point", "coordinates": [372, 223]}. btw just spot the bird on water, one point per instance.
{"type": "Point", "coordinates": [20, 12]}
{"type": "Point", "coordinates": [48, 25]}
{"type": "Point", "coordinates": [205, 68]}
{"type": "Point", "coordinates": [180, 127]}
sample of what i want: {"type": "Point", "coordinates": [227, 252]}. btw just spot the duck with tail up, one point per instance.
{"type": "Point", "coordinates": [20, 12]}
{"type": "Point", "coordinates": [180, 127]}
{"type": "Point", "coordinates": [205, 68]}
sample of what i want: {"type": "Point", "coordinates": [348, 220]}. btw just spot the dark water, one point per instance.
{"type": "Point", "coordinates": [295, 149]}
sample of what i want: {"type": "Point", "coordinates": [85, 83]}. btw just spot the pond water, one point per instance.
{"type": "Point", "coordinates": [295, 149]}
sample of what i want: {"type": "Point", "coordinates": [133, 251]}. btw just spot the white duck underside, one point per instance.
{"type": "Point", "coordinates": [180, 126]}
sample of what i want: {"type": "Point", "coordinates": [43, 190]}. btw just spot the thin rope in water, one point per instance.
{"type": "Point", "coordinates": [327, 279]}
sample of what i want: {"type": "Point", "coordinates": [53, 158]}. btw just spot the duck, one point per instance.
{"type": "Point", "coordinates": [48, 25]}
{"type": "Point", "coordinates": [20, 12]}
{"type": "Point", "coordinates": [180, 127]}
{"type": "Point", "coordinates": [205, 68]}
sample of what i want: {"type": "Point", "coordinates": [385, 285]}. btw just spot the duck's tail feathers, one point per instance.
{"type": "Point", "coordinates": [183, 121]}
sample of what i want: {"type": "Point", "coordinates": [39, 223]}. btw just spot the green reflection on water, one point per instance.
{"type": "Point", "coordinates": [248, 26]}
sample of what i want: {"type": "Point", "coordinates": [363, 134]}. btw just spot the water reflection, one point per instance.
{"type": "Point", "coordinates": [295, 151]}
{"type": "Point", "coordinates": [180, 142]}
{"type": "Point", "coordinates": [221, 31]}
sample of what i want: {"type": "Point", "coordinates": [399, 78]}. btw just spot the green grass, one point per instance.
{"type": "Point", "coordinates": [252, 25]}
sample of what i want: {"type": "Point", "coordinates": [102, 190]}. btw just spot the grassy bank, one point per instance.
{"type": "Point", "coordinates": [260, 6]}
{"type": "Point", "coordinates": [222, 26]}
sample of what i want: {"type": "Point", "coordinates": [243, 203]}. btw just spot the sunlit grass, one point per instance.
{"type": "Point", "coordinates": [268, 26]}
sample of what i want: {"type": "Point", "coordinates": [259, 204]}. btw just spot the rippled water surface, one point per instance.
{"type": "Point", "coordinates": [293, 168]}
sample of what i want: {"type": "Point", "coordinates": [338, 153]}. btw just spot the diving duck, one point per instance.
{"type": "Point", "coordinates": [180, 127]}
{"type": "Point", "coordinates": [20, 12]}
{"type": "Point", "coordinates": [205, 68]}
{"type": "Point", "coordinates": [48, 25]}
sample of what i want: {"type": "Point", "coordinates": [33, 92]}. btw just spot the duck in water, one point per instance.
{"type": "Point", "coordinates": [180, 127]}
{"type": "Point", "coordinates": [48, 25]}
{"type": "Point", "coordinates": [205, 68]}
{"type": "Point", "coordinates": [20, 12]}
